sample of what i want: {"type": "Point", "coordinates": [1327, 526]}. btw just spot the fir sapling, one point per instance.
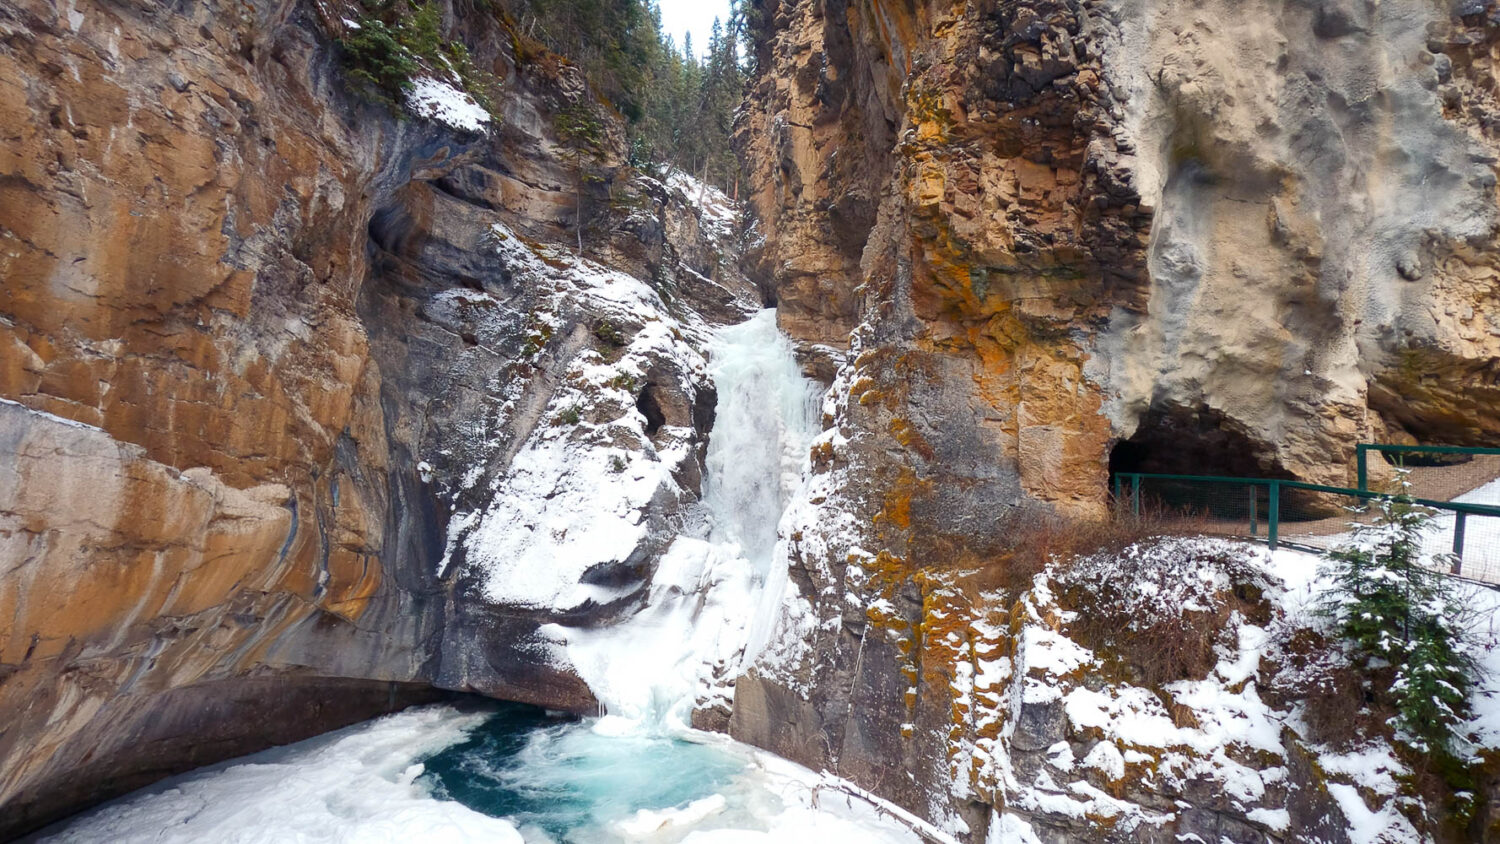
{"type": "Point", "coordinates": [1397, 613]}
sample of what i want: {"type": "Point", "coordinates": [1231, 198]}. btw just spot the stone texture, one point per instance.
{"type": "Point", "coordinates": [238, 398]}
{"type": "Point", "coordinates": [1232, 238]}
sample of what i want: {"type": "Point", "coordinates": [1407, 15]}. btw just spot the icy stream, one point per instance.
{"type": "Point", "coordinates": [504, 775]}
{"type": "Point", "coordinates": [640, 774]}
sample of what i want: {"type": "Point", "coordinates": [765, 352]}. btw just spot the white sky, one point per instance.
{"type": "Point", "coordinates": [679, 17]}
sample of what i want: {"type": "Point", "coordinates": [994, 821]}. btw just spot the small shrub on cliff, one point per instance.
{"type": "Point", "coordinates": [1036, 537]}
{"type": "Point", "coordinates": [1402, 618]}
{"type": "Point", "coordinates": [608, 334]}
{"type": "Point", "coordinates": [373, 55]}
{"type": "Point", "coordinates": [1337, 704]}
{"type": "Point", "coordinates": [1161, 607]}
{"type": "Point", "coordinates": [397, 40]}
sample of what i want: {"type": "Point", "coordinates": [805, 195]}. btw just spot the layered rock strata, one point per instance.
{"type": "Point", "coordinates": [1074, 236]}
{"type": "Point", "coordinates": [261, 338]}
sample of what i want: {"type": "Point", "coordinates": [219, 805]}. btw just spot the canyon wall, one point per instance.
{"type": "Point", "coordinates": [1056, 237]}
{"type": "Point", "coordinates": [262, 337]}
{"type": "Point", "coordinates": [313, 405]}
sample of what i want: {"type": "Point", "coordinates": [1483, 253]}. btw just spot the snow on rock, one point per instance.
{"type": "Point", "coordinates": [1006, 828]}
{"type": "Point", "coordinates": [437, 100]}
{"type": "Point", "coordinates": [573, 522]}
{"type": "Point", "coordinates": [1367, 826]}
{"type": "Point", "coordinates": [50, 417]}
{"type": "Point", "coordinates": [563, 510]}
{"type": "Point", "coordinates": [1066, 741]}
{"type": "Point", "coordinates": [1107, 760]}
{"type": "Point", "coordinates": [720, 214]}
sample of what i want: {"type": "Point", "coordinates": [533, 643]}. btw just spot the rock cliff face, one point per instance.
{"type": "Point", "coordinates": [1062, 236]}
{"type": "Point", "coordinates": [261, 340]}
{"type": "Point", "coordinates": [298, 395]}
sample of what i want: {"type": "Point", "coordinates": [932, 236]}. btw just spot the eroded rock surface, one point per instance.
{"type": "Point", "coordinates": [261, 339]}
{"type": "Point", "coordinates": [1216, 238]}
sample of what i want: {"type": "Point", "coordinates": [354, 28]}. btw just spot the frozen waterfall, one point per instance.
{"type": "Point", "coordinates": [767, 418]}
{"type": "Point", "coordinates": [713, 599]}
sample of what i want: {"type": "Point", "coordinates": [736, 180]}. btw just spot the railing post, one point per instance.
{"type": "Point", "coordinates": [1458, 541]}
{"type": "Point", "coordinates": [1360, 451]}
{"type": "Point", "coordinates": [1253, 503]}
{"type": "Point", "coordinates": [1273, 514]}
{"type": "Point", "coordinates": [1135, 495]}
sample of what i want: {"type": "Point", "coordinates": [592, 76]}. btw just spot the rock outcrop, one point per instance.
{"type": "Point", "coordinates": [300, 394]}
{"type": "Point", "coordinates": [1074, 236]}
{"type": "Point", "coordinates": [261, 339]}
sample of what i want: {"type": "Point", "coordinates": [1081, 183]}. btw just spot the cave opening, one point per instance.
{"type": "Point", "coordinates": [1196, 442]}
{"type": "Point", "coordinates": [1188, 441]}
{"type": "Point", "coordinates": [650, 407]}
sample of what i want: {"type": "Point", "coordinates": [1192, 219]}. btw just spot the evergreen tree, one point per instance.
{"type": "Point", "coordinates": [679, 107]}
{"type": "Point", "coordinates": [1397, 613]}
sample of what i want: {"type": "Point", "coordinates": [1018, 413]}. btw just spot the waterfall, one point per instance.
{"type": "Point", "coordinates": [767, 417]}
{"type": "Point", "coordinates": [714, 599]}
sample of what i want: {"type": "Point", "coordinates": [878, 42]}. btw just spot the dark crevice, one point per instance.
{"type": "Point", "coordinates": [650, 407]}
{"type": "Point", "coordinates": [1175, 440]}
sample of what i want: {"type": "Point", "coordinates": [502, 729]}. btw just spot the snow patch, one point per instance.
{"type": "Point", "coordinates": [359, 784]}
{"type": "Point", "coordinates": [52, 417]}
{"type": "Point", "coordinates": [438, 100]}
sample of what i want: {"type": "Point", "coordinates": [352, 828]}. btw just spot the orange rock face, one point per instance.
{"type": "Point", "coordinates": [1211, 232]}
{"type": "Point", "coordinates": [988, 213]}
{"type": "Point", "coordinates": [180, 249]}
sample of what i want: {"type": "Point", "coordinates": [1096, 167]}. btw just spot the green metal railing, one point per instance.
{"type": "Point", "coordinates": [1215, 501]}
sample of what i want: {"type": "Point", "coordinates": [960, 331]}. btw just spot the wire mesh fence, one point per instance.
{"type": "Point", "coordinates": [1437, 472]}
{"type": "Point", "coordinates": [1312, 515]}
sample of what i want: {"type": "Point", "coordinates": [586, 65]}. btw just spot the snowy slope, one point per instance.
{"type": "Point", "coordinates": [1119, 743]}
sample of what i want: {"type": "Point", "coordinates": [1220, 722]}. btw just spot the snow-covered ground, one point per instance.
{"type": "Point", "coordinates": [1481, 550]}
{"type": "Point", "coordinates": [366, 784]}
{"type": "Point", "coordinates": [1220, 729]}
{"type": "Point", "coordinates": [1481, 554]}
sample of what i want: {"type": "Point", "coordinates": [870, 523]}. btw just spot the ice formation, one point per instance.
{"type": "Point", "coordinates": [713, 600]}
{"type": "Point", "coordinates": [365, 784]}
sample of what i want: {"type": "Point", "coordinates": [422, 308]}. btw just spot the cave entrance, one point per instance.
{"type": "Point", "coordinates": [649, 404]}
{"type": "Point", "coordinates": [1183, 441]}
{"type": "Point", "coordinates": [1198, 442]}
